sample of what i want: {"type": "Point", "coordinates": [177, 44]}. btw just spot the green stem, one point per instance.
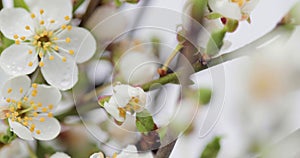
{"type": "Point", "coordinates": [172, 56]}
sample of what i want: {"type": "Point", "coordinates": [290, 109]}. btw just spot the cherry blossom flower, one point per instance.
{"type": "Point", "coordinates": [125, 98]}
{"type": "Point", "coordinates": [44, 38]}
{"type": "Point", "coordinates": [129, 151]}
{"type": "Point", "coordinates": [234, 9]}
{"type": "Point", "coordinates": [29, 109]}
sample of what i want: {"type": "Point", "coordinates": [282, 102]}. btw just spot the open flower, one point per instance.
{"type": "Point", "coordinates": [125, 98]}
{"type": "Point", "coordinates": [234, 9]}
{"type": "Point", "coordinates": [29, 109]}
{"type": "Point", "coordinates": [43, 37]}
{"type": "Point", "coordinates": [129, 152]}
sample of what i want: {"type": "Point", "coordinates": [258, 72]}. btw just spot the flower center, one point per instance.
{"type": "Point", "coordinates": [45, 38]}
{"type": "Point", "coordinates": [24, 111]}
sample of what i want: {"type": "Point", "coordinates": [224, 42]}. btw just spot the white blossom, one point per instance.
{"type": "Point", "coordinates": [44, 38]}
{"type": "Point", "coordinates": [234, 9]}
{"type": "Point", "coordinates": [29, 108]}
{"type": "Point", "coordinates": [129, 152]}
{"type": "Point", "coordinates": [125, 98]}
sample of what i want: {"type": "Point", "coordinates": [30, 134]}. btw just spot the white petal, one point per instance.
{"type": "Point", "coordinates": [20, 130]}
{"type": "Point", "coordinates": [50, 128]}
{"type": "Point", "coordinates": [134, 65]}
{"type": "Point", "coordinates": [47, 95]}
{"type": "Point", "coordinates": [123, 94]}
{"type": "Point", "coordinates": [54, 9]}
{"type": "Point", "coordinates": [57, 73]}
{"type": "Point", "coordinates": [60, 155]}
{"type": "Point", "coordinates": [226, 8]}
{"type": "Point", "coordinates": [3, 78]}
{"type": "Point", "coordinates": [97, 155]}
{"type": "Point", "coordinates": [113, 110]}
{"type": "Point", "coordinates": [15, 84]}
{"type": "Point", "coordinates": [82, 42]}
{"type": "Point", "coordinates": [13, 21]}
{"type": "Point", "coordinates": [249, 6]}
{"type": "Point", "coordinates": [15, 59]}
{"type": "Point", "coordinates": [129, 151]}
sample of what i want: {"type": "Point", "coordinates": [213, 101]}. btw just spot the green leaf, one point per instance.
{"type": "Point", "coordinates": [21, 4]}
{"type": "Point", "coordinates": [7, 137]}
{"type": "Point", "coordinates": [231, 25]}
{"type": "Point", "coordinates": [212, 149]}
{"type": "Point", "coordinates": [77, 5]}
{"type": "Point", "coordinates": [215, 42]}
{"type": "Point", "coordinates": [212, 16]}
{"type": "Point", "coordinates": [144, 122]}
{"type": "Point", "coordinates": [204, 95]}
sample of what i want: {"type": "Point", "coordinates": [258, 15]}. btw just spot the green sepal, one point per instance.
{"type": "Point", "coordinates": [212, 148]}
{"type": "Point", "coordinates": [144, 122]}
{"type": "Point", "coordinates": [215, 42]}
{"type": "Point", "coordinates": [21, 4]}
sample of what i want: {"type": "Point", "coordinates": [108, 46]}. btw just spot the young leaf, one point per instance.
{"type": "Point", "coordinates": [212, 148]}
{"type": "Point", "coordinates": [215, 42]}
{"type": "Point", "coordinates": [21, 4]}
{"type": "Point", "coordinates": [144, 122]}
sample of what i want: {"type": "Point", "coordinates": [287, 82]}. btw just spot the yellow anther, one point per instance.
{"type": "Point", "coordinates": [69, 27]}
{"type": "Point", "coordinates": [25, 123]}
{"type": "Point", "coordinates": [51, 57]}
{"type": "Point", "coordinates": [42, 11]}
{"type": "Point", "coordinates": [8, 100]}
{"type": "Point", "coordinates": [42, 119]}
{"type": "Point", "coordinates": [33, 94]}
{"type": "Point", "coordinates": [35, 114]}
{"type": "Point", "coordinates": [25, 99]}
{"type": "Point", "coordinates": [67, 18]}
{"type": "Point", "coordinates": [39, 43]}
{"type": "Point", "coordinates": [68, 40]}
{"type": "Point", "coordinates": [7, 115]}
{"type": "Point", "coordinates": [56, 48]}
{"type": "Point", "coordinates": [50, 114]}
{"type": "Point", "coordinates": [9, 90]}
{"type": "Point", "coordinates": [29, 64]}
{"type": "Point", "coordinates": [64, 59]}
{"type": "Point", "coordinates": [23, 38]}
{"type": "Point", "coordinates": [55, 38]}
{"type": "Point", "coordinates": [32, 128]}
{"type": "Point", "coordinates": [13, 119]}
{"type": "Point", "coordinates": [71, 52]}
{"type": "Point", "coordinates": [41, 64]}
{"type": "Point", "coordinates": [30, 118]}
{"type": "Point", "coordinates": [44, 109]}
{"type": "Point", "coordinates": [36, 37]}
{"type": "Point", "coordinates": [32, 15]}
{"type": "Point", "coordinates": [17, 42]}
{"type": "Point", "coordinates": [115, 155]}
{"type": "Point", "coordinates": [19, 119]}
{"type": "Point", "coordinates": [45, 33]}
{"type": "Point", "coordinates": [26, 118]}
{"type": "Point", "coordinates": [19, 105]}
{"type": "Point", "coordinates": [35, 108]}
{"type": "Point", "coordinates": [50, 33]}
{"type": "Point", "coordinates": [31, 102]}
{"type": "Point", "coordinates": [42, 22]}
{"type": "Point", "coordinates": [16, 36]}
{"type": "Point", "coordinates": [52, 21]}
{"type": "Point", "coordinates": [41, 54]}
{"type": "Point", "coordinates": [39, 104]}
{"type": "Point", "coordinates": [63, 26]}
{"type": "Point", "coordinates": [27, 27]}
{"type": "Point", "coordinates": [12, 109]}
{"type": "Point", "coordinates": [13, 101]}
{"type": "Point", "coordinates": [50, 107]}
{"type": "Point", "coordinates": [30, 52]}
{"type": "Point", "coordinates": [34, 85]}
{"type": "Point", "coordinates": [38, 131]}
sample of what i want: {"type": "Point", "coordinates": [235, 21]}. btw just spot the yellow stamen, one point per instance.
{"type": "Point", "coordinates": [8, 100]}
{"type": "Point", "coordinates": [32, 15]}
{"type": "Point", "coordinates": [64, 59]}
{"type": "Point", "coordinates": [51, 57]}
{"type": "Point", "coordinates": [25, 99]}
{"type": "Point", "coordinates": [35, 108]}
{"type": "Point", "coordinates": [34, 85]}
{"type": "Point", "coordinates": [41, 64]}
{"type": "Point", "coordinates": [16, 36]}
{"type": "Point", "coordinates": [23, 38]}
{"type": "Point", "coordinates": [42, 11]}
{"type": "Point", "coordinates": [44, 109]}
{"type": "Point", "coordinates": [52, 21]}
{"type": "Point", "coordinates": [63, 26]}
{"type": "Point", "coordinates": [9, 90]}
{"type": "Point", "coordinates": [38, 131]}
{"type": "Point", "coordinates": [35, 114]}
{"type": "Point", "coordinates": [30, 63]}
{"type": "Point", "coordinates": [41, 54]}
{"type": "Point", "coordinates": [68, 40]}
{"type": "Point", "coordinates": [50, 107]}
{"type": "Point", "coordinates": [71, 52]}
{"type": "Point", "coordinates": [42, 119]}
{"type": "Point", "coordinates": [12, 109]}
{"type": "Point", "coordinates": [27, 27]}
{"type": "Point", "coordinates": [56, 48]}
{"type": "Point", "coordinates": [40, 104]}
{"type": "Point", "coordinates": [17, 41]}
{"type": "Point", "coordinates": [69, 27]}
{"type": "Point", "coordinates": [30, 52]}
{"type": "Point", "coordinates": [50, 114]}
{"type": "Point", "coordinates": [67, 18]}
